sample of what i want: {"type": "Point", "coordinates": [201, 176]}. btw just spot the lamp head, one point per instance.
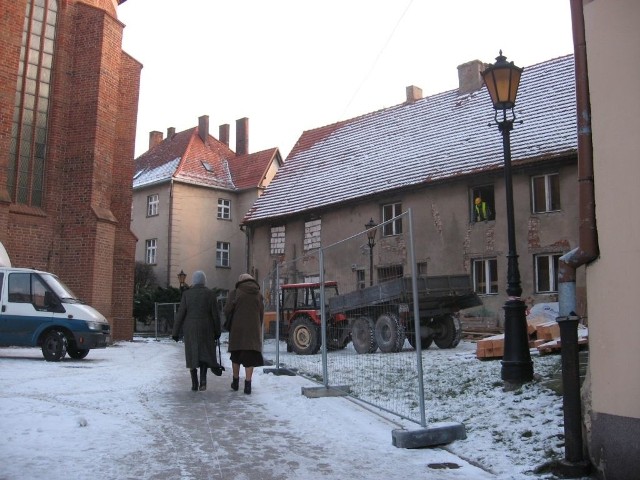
{"type": "Point", "coordinates": [502, 80]}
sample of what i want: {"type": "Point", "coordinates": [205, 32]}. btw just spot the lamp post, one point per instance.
{"type": "Point", "coordinates": [502, 80]}
{"type": "Point", "coordinates": [371, 239]}
{"type": "Point", "coordinates": [182, 280]}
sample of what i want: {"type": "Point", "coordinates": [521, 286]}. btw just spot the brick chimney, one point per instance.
{"type": "Point", "coordinates": [413, 94]}
{"type": "Point", "coordinates": [224, 133]}
{"type": "Point", "coordinates": [155, 138]}
{"type": "Point", "coordinates": [469, 77]}
{"type": "Point", "coordinates": [171, 131]}
{"type": "Point", "coordinates": [242, 136]}
{"type": "Point", "coordinates": [203, 128]}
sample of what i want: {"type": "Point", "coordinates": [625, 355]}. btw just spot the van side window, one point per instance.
{"type": "Point", "coordinates": [38, 289]}
{"type": "Point", "coordinates": [19, 288]}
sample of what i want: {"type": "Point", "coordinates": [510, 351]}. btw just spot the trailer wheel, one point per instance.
{"type": "Point", "coordinates": [363, 335]}
{"type": "Point", "coordinates": [389, 333]}
{"type": "Point", "coordinates": [425, 342]}
{"type": "Point", "coordinates": [304, 336]}
{"type": "Point", "coordinates": [448, 331]}
{"type": "Point", "coordinates": [54, 346]}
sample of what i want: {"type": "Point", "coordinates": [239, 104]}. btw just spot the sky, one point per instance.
{"type": "Point", "coordinates": [127, 412]}
{"type": "Point", "coordinates": [291, 65]}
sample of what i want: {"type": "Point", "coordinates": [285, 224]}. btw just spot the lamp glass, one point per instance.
{"type": "Point", "coordinates": [502, 80]}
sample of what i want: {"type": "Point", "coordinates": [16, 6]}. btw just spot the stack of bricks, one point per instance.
{"type": "Point", "coordinates": [543, 335]}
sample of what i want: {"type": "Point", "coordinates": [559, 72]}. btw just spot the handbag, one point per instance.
{"type": "Point", "coordinates": [218, 369]}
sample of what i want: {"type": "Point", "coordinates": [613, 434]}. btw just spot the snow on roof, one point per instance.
{"type": "Point", "coordinates": [432, 139]}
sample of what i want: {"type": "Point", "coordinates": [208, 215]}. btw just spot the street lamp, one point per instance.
{"type": "Point", "coordinates": [371, 239]}
{"type": "Point", "coordinates": [502, 80]}
{"type": "Point", "coordinates": [181, 279]}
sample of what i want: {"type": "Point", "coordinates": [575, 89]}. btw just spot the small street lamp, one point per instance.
{"type": "Point", "coordinates": [502, 80]}
{"type": "Point", "coordinates": [371, 239]}
{"type": "Point", "coordinates": [182, 277]}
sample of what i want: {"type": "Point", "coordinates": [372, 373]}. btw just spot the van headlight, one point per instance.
{"type": "Point", "coordinates": [94, 325]}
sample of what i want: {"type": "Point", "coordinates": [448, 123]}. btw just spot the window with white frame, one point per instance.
{"type": "Point", "coordinates": [224, 209]}
{"type": "Point", "coordinates": [388, 212]}
{"type": "Point", "coordinates": [223, 250]}
{"type": "Point", "coordinates": [312, 237]}
{"type": "Point", "coordinates": [547, 272]}
{"type": "Point", "coordinates": [153, 202]}
{"type": "Point", "coordinates": [151, 251]}
{"type": "Point", "coordinates": [277, 240]}
{"type": "Point", "coordinates": [485, 276]}
{"type": "Point", "coordinates": [545, 193]}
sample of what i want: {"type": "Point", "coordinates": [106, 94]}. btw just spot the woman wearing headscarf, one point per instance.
{"type": "Point", "coordinates": [246, 305]}
{"type": "Point", "coordinates": [198, 317]}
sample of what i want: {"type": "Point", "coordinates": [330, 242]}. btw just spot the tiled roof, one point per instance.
{"type": "Point", "coordinates": [248, 171]}
{"type": "Point", "coordinates": [433, 139]}
{"type": "Point", "coordinates": [185, 157]}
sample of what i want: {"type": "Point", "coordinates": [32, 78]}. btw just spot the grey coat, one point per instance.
{"type": "Point", "coordinates": [198, 318]}
{"type": "Point", "coordinates": [245, 302]}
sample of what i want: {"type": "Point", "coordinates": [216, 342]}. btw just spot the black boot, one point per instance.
{"type": "Point", "coordinates": [247, 387]}
{"type": "Point", "coordinates": [194, 379]}
{"type": "Point", "coordinates": [203, 379]}
{"type": "Point", "coordinates": [234, 384]}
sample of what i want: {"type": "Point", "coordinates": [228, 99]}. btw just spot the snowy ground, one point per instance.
{"type": "Point", "coordinates": [124, 412]}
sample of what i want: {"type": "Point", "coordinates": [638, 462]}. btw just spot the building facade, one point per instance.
{"type": "Point", "coordinates": [68, 108]}
{"type": "Point", "coordinates": [612, 42]}
{"type": "Point", "coordinates": [435, 156]}
{"type": "Point", "coordinates": [190, 193]}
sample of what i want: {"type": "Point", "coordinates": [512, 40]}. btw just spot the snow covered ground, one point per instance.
{"type": "Point", "coordinates": [124, 412]}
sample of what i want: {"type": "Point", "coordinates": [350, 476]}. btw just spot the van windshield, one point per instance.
{"type": "Point", "coordinates": [60, 289]}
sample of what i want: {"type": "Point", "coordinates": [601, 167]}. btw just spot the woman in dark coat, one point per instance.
{"type": "Point", "coordinates": [198, 317]}
{"type": "Point", "coordinates": [246, 305]}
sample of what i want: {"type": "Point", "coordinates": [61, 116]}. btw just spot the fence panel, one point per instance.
{"type": "Point", "coordinates": [362, 337]}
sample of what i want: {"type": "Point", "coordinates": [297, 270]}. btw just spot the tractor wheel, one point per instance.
{"type": "Point", "coordinates": [363, 335]}
{"type": "Point", "coordinates": [448, 331]}
{"type": "Point", "coordinates": [304, 336]}
{"type": "Point", "coordinates": [389, 333]}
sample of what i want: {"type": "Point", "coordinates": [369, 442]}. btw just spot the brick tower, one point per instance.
{"type": "Point", "coordinates": [68, 108]}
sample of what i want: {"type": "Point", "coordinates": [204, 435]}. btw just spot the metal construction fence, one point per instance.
{"type": "Point", "coordinates": [162, 322]}
{"type": "Point", "coordinates": [349, 326]}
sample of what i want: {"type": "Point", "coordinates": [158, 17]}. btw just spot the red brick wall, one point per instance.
{"type": "Point", "coordinates": [82, 232]}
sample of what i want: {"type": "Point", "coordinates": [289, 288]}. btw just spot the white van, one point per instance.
{"type": "Point", "coordinates": [38, 310]}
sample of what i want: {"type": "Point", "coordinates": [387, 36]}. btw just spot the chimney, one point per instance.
{"type": "Point", "coordinates": [171, 131]}
{"type": "Point", "coordinates": [224, 133]}
{"type": "Point", "coordinates": [203, 128]}
{"type": "Point", "coordinates": [469, 77]}
{"type": "Point", "coordinates": [242, 136]}
{"type": "Point", "coordinates": [413, 93]}
{"type": "Point", "coordinates": [155, 138]}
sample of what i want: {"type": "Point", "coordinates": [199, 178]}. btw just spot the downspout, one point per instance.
{"type": "Point", "coordinates": [169, 242]}
{"type": "Point", "coordinates": [574, 465]}
{"type": "Point", "coordinates": [247, 260]}
{"type": "Point", "coordinates": [587, 249]}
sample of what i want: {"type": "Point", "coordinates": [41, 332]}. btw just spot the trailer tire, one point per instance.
{"type": "Point", "coordinates": [304, 336]}
{"type": "Point", "coordinates": [425, 342]}
{"type": "Point", "coordinates": [389, 333]}
{"type": "Point", "coordinates": [449, 332]}
{"type": "Point", "coordinates": [363, 335]}
{"type": "Point", "coordinates": [54, 346]}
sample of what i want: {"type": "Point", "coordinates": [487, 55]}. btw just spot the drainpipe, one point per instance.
{"type": "Point", "coordinates": [169, 242]}
{"type": "Point", "coordinates": [574, 465]}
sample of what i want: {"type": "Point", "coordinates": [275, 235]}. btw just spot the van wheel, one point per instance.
{"type": "Point", "coordinates": [54, 346]}
{"type": "Point", "coordinates": [77, 353]}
